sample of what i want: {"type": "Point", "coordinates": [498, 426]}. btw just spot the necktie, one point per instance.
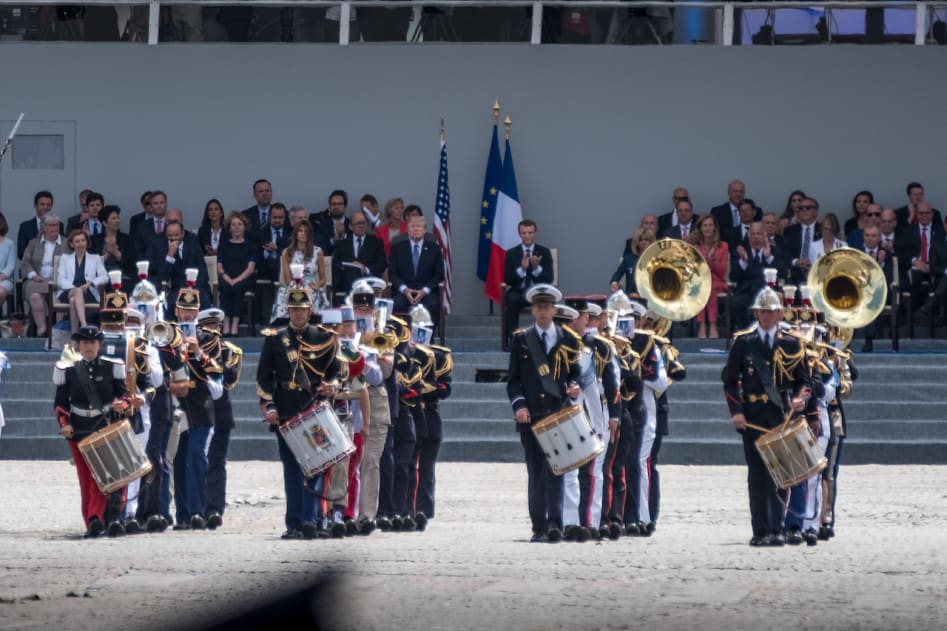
{"type": "Point", "coordinates": [758, 256]}
{"type": "Point", "coordinates": [415, 256]}
{"type": "Point", "coordinates": [767, 341]}
{"type": "Point", "coordinates": [806, 241]}
{"type": "Point", "coordinates": [684, 231]}
{"type": "Point", "coordinates": [39, 226]}
{"type": "Point", "coordinates": [545, 339]}
{"type": "Point", "coordinates": [263, 218]}
{"type": "Point", "coordinates": [159, 226]}
{"type": "Point", "coordinates": [358, 247]}
{"type": "Point", "coordinates": [923, 244]}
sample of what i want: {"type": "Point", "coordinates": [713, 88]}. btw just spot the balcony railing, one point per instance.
{"type": "Point", "coordinates": [724, 18]}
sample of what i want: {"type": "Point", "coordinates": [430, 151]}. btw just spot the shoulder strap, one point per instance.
{"type": "Point", "coordinates": [541, 362]}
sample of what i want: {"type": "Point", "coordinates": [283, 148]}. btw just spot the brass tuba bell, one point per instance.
{"type": "Point", "coordinates": [380, 340]}
{"type": "Point", "coordinates": [674, 278]}
{"type": "Point", "coordinates": [849, 287]}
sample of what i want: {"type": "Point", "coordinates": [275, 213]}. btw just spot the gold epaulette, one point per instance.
{"type": "Point", "coordinates": [236, 354]}
{"type": "Point", "coordinates": [268, 331]}
{"type": "Point", "coordinates": [518, 332]}
{"type": "Point", "coordinates": [750, 329]}
{"type": "Point", "coordinates": [263, 394]}
{"type": "Point", "coordinates": [325, 329]}
{"type": "Point", "coordinates": [444, 361]}
{"type": "Point", "coordinates": [440, 348]}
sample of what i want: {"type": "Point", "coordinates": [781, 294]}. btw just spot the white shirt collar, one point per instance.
{"type": "Point", "coordinates": [416, 243]}
{"type": "Point", "coordinates": [772, 333]}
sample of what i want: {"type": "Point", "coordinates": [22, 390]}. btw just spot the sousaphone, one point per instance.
{"type": "Point", "coordinates": [849, 287]}
{"type": "Point", "coordinates": [675, 279]}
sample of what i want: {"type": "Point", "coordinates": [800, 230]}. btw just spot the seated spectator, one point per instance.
{"type": "Point", "coordinates": [7, 260]}
{"type": "Point", "coordinates": [771, 226]}
{"type": "Point", "coordinates": [369, 205]}
{"type": "Point", "coordinates": [331, 225]}
{"type": "Point", "coordinates": [149, 234]}
{"type": "Point", "coordinates": [651, 222]}
{"type": "Point", "coordinates": [274, 239]}
{"type": "Point", "coordinates": [258, 215]}
{"type": "Point", "coordinates": [791, 212]}
{"type": "Point", "coordinates": [138, 218]}
{"type": "Point", "coordinates": [706, 238]}
{"type": "Point", "coordinates": [686, 222]}
{"type": "Point", "coordinates": [746, 271]}
{"type": "Point", "coordinates": [33, 227]}
{"type": "Point", "coordinates": [297, 215]}
{"type": "Point", "coordinates": [858, 220]}
{"type": "Point", "coordinates": [737, 235]}
{"type": "Point", "coordinates": [638, 243]}
{"type": "Point", "coordinates": [728, 213]}
{"type": "Point", "coordinates": [669, 219]}
{"type": "Point", "coordinates": [394, 224]}
{"type": "Point", "coordinates": [171, 257]}
{"type": "Point", "coordinates": [302, 251]}
{"type": "Point", "coordinates": [872, 247]}
{"type": "Point", "coordinates": [938, 269]}
{"type": "Point", "coordinates": [92, 225]}
{"type": "Point", "coordinates": [114, 246]}
{"type": "Point", "coordinates": [413, 210]}
{"type": "Point", "coordinates": [212, 228]}
{"type": "Point", "coordinates": [526, 264]}
{"type": "Point", "coordinates": [888, 223]}
{"type": "Point", "coordinates": [417, 268]}
{"type": "Point", "coordinates": [236, 262]}
{"type": "Point", "coordinates": [79, 278]}
{"type": "Point", "coordinates": [907, 215]}
{"type": "Point", "coordinates": [36, 267]}
{"type": "Point", "coordinates": [360, 254]}
{"type": "Point", "coordinates": [798, 239]}
{"type": "Point", "coordinates": [872, 217]}
{"type": "Point", "coordinates": [829, 238]}
{"type": "Point", "coordinates": [913, 247]}
{"type": "Point", "coordinates": [78, 220]}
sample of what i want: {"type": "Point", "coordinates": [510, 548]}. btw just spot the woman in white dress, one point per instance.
{"type": "Point", "coordinates": [301, 250]}
{"type": "Point", "coordinates": [80, 275]}
{"type": "Point", "coordinates": [829, 241]}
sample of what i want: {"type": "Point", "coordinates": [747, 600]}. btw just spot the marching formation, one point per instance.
{"type": "Point", "coordinates": [352, 395]}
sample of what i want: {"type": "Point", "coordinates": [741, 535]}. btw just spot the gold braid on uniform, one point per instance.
{"type": "Point", "coordinates": [650, 343]}
{"type": "Point", "coordinates": [602, 358]}
{"type": "Point", "coordinates": [236, 359]}
{"type": "Point", "coordinates": [307, 354]}
{"type": "Point", "coordinates": [427, 368]}
{"type": "Point", "coordinates": [142, 365]}
{"type": "Point", "coordinates": [784, 363]}
{"type": "Point", "coordinates": [447, 361]}
{"type": "Point", "coordinates": [570, 347]}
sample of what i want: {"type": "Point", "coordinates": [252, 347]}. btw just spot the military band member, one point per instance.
{"type": "Point", "coordinates": [229, 357]}
{"type": "Point", "coordinates": [765, 379]}
{"type": "Point", "coordinates": [848, 373]}
{"type": "Point", "coordinates": [204, 387]}
{"type": "Point", "coordinates": [89, 392]}
{"type": "Point", "coordinates": [379, 367]}
{"type": "Point", "coordinates": [297, 367]}
{"type": "Point", "coordinates": [436, 367]}
{"type": "Point", "coordinates": [543, 377]}
{"type": "Point", "coordinates": [142, 380]}
{"type": "Point", "coordinates": [404, 430]}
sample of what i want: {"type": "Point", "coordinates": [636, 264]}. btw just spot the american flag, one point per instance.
{"type": "Point", "coordinates": [442, 224]}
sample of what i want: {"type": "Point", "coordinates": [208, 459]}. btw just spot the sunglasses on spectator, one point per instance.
{"type": "Point", "coordinates": [682, 198]}
{"type": "Point", "coordinates": [872, 214]}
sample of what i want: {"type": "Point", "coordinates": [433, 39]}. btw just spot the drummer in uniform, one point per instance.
{"type": "Point", "coordinates": [145, 376]}
{"type": "Point", "coordinates": [297, 367]}
{"type": "Point", "coordinates": [229, 357]}
{"type": "Point", "coordinates": [543, 376]}
{"type": "Point", "coordinates": [89, 392]}
{"type": "Point", "coordinates": [204, 388]}
{"type": "Point", "coordinates": [765, 379]}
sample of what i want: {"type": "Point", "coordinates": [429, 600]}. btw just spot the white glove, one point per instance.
{"type": "Point", "coordinates": [216, 389]}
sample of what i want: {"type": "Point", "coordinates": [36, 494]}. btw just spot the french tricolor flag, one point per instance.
{"type": "Point", "coordinates": [505, 227]}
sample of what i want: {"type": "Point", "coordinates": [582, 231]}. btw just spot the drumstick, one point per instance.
{"type": "Point", "coordinates": [758, 428]}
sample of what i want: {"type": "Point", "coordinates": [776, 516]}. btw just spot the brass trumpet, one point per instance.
{"type": "Point", "coordinates": [381, 341]}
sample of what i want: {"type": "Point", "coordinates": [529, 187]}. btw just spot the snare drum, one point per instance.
{"type": "Point", "coordinates": [114, 457]}
{"type": "Point", "coordinates": [791, 454]}
{"type": "Point", "coordinates": [317, 439]}
{"type": "Point", "coordinates": [567, 439]}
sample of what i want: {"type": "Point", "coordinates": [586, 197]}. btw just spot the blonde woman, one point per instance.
{"type": "Point", "coordinates": [639, 242]}
{"type": "Point", "coordinates": [80, 276]}
{"type": "Point", "coordinates": [236, 264]}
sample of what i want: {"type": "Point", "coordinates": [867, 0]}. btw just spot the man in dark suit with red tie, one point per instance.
{"type": "Point", "coordinates": [526, 264]}
{"type": "Point", "coordinates": [360, 254]}
{"type": "Point", "coordinates": [686, 222]}
{"type": "Point", "coordinates": [913, 246]}
{"type": "Point", "coordinates": [150, 232]}
{"type": "Point", "coordinates": [416, 268]}
{"type": "Point", "coordinates": [872, 247]}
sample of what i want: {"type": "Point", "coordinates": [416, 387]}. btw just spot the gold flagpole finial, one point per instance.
{"type": "Point", "coordinates": [496, 111]}
{"type": "Point", "coordinates": [507, 123]}
{"type": "Point", "coordinates": [442, 127]}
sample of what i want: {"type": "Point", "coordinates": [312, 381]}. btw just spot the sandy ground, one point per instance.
{"type": "Point", "coordinates": [473, 567]}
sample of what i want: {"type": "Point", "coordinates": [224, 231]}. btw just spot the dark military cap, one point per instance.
{"type": "Point", "coordinates": [87, 334]}
{"type": "Point", "coordinates": [579, 303]}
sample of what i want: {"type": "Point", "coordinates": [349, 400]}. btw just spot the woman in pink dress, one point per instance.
{"type": "Point", "coordinates": [706, 238]}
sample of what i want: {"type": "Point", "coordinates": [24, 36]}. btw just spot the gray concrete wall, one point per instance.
{"type": "Point", "coordinates": [601, 134]}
